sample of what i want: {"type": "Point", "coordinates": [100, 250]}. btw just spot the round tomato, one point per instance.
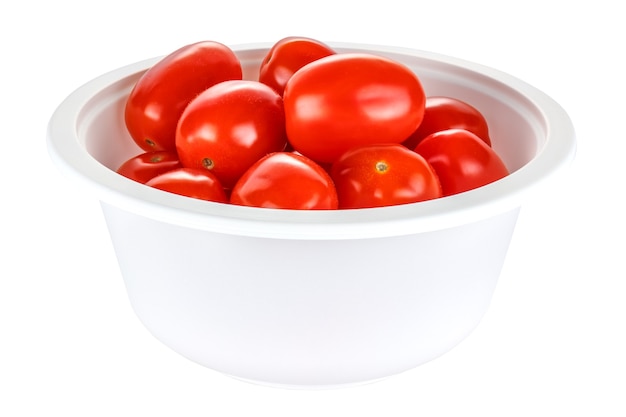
{"type": "Point", "coordinates": [230, 126]}
{"type": "Point", "coordinates": [442, 113]}
{"type": "Point", "coordinates": [383, 175]}
{"type": "Point", "coordinates": [285, 180]}
{"type": "Point", "coordinates": [148, 165]}
{"type": "Point", "coordinates": [189, 182]}
{"type": "Point", "coordinates": [161, 94]}
{"type": "Point", "coordinates": [351, 99]}
{"type": "Point", "coordinates": [462, 160]}
{"type": "Point", "coordinates": [287, 56]}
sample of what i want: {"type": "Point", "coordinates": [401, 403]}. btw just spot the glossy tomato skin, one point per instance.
{"type": "Point", "coordinates": [443, 113]}
{"type": "Point", "coordinates": [287, 56]}
{"type": "Point", "coordinates": [164, 90]}
{"type": "Point", "coordinates": [286, 180]}
{"type": "Point", "coordinates": [145, 166]}
{"type": "Point", "coordinates": [462, 160]}
{"type": "Point", "coordinates": [230, 126]}
{"type": "Point", "coordinates": [351, 99]}
{"type": "Point", "coordinates": [383, 175]}
{"type": "Point", "coordinates": [188, 182]}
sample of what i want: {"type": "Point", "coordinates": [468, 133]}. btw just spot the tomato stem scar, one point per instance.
{"type": "Point", "coordinates": [208, 163]}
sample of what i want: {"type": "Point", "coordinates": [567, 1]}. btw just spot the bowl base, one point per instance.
{"type": "Point", "coordinates": [302, 387]}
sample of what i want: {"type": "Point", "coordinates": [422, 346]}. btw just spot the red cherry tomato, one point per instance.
{"type": "Point", "coordinates": [148, 165]}
{"type": "Point", "coordinates": [285, 180]}
{"type": "Point", "coordinates": [442, 113]}
{"type": "Point", "coordinates": [287, 56]}
{"type": "Point", "coordinates": [159, 97]}
{"type": "Point", "coordinates": [351, 99]}
{"type": "Point", "coordinates": [383, 175]}
{"type": "Point", "coordinates": [462, 160]}
{"type": "Point", "coordinates": [230, 126]}
{"type": "Point", "coordinates": [189, 182]}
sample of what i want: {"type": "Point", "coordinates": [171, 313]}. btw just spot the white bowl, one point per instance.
{"type": "Point", "coordinates": [314, 298]}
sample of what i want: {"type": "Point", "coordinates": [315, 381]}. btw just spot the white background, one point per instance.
{"type": "Point", "coordinates": [553, 341]}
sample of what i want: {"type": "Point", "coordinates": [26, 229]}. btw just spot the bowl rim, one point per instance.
{"type": "Point", "coordinates": [71, 157]}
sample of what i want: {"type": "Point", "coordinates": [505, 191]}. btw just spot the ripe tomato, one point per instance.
{"type": "Point", "coordinates": [442, 113]}
{"type": "Point", "coordinates": [287, 56]}
{"type": "Point", "coordinates": [159, 97]}
{"type": "Point", "coordinates": [148, 165]}
{"type": "Point", "coordinates": [462, 160]}
{"type": "Point", "coordinates": [383, 175]}
{"type": "Point", "coordinates": [189, 182]}
{"type": "Point", "coordinates": [351, 99]}
{"type": "Point", "coordinates": [230, 126]}
{"type": "Point", "coordinates": [285, 180]}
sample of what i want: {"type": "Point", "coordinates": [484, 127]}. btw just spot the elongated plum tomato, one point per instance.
{"type": "Point", "coordinates": [383, 175]}
{"type": "Point", "coordinates": [229, 126]}
{"type": "Point", "coordinates": [287, 56]}
{"type": "Point", "coordinates": [443, 113]}
{"type": "Point", "coordinates": [148, 165]}
{"type": "Point", "coordinates": [160, 95]}
{"type": "Point", "coordinates": [462, 160]}
{"type": "Point", "coordinates": [189, 182]}
{"type": "Point", "coordinates": [285, 180]}
{"type": "Point", "coordinates": [351, 99]}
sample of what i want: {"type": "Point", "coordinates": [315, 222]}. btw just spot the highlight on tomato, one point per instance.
{"type": "Point", "coordinates": [347, 100]}
{"type": "Point", "coordinates": [286, 180]}
{"type": "Point", "coordinates": [383, 175]}
{"type": "Point", "coordinates": [190, 182]}
{"type": "Point", "coordinates": [147, 165]}
{"type": "Point", "coordinates": [159, 97]}
{"type": "Point", "coordinates": [443, 113]}
{"type": "Point", "coordinates": [287, 56]}
{"type": "Point", "coordinates": [230, 126]}
{"type": "Point", "coordinates": [462, 160]}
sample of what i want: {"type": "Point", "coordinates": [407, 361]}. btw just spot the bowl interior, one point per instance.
{"type": "Point", "coordinates": [531, 133]}
{"type": "Point", "coordinates": [517, 128]}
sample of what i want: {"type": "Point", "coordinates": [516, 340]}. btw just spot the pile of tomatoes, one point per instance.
{"type": "Point", "coordinates": [318, 129]}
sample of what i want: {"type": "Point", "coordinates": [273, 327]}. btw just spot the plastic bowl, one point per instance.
{"type": "Point", "coordinates": [314, 298]}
